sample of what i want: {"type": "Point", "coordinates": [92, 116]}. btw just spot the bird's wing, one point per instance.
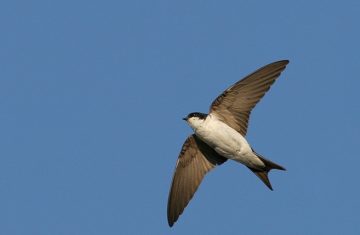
{"type": "Point", "coordinates": [195, 160]}
{"type": "Point", "coordinates": [234, 105]}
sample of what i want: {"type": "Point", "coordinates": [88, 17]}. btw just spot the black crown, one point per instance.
{"type": "Point", "coordinates": [197, 114]}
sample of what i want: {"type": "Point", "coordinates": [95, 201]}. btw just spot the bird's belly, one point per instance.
{"type": "Point", "coordinates": [226, 145]}
{"type": "Point", "coordinates": [229, 143]}
{"type": "Point", "coordinates": [225, 141]}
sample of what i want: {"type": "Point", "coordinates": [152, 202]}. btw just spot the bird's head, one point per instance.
{"type": "Point", "coordinates": [195, 119]}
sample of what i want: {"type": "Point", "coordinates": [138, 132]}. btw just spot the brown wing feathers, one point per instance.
{"type": "Point", "coordinates": [195, 160]}
{"type": "Point", "coordinates": [234, 105]}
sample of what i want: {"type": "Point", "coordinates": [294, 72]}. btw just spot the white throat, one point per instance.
{"type": "Point", "coordinates": [195, 122]}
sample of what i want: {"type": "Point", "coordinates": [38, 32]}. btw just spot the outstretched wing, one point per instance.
{"type": "Point", "coordinates": [234, 105]}
{"type": "Point", "coordinates": [195, 160]}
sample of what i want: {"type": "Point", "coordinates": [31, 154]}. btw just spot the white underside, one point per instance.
{"type": "Point", "coordinates": [227, 142]}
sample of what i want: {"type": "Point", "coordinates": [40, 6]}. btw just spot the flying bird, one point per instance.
{"type": "Point", "coordinates": [219, 136]}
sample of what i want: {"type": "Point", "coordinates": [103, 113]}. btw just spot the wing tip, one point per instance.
{"type": "Point", "coordinates": [171, 223]}
{"type": "Point", "coordinates": [285, 62]}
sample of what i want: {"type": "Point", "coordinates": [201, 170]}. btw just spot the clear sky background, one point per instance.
{"type": "Point", "coordinates": [91, 99]}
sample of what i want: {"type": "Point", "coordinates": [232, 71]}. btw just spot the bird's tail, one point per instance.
{"type": "Point", "coordinates": [263, 174]}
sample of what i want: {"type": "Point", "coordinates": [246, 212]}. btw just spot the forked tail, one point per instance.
{"type": "Point", "coordinates": [263, 174]}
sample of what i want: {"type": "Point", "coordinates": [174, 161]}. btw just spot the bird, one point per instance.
{"type": "Point", "coordinates": [220, 136]}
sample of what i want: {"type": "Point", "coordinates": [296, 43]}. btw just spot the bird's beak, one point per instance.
{"type": "Point", "coordinates": [185, 119]}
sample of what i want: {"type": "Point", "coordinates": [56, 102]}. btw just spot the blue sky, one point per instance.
{"type": "Point", "coordinates": [92, 94]}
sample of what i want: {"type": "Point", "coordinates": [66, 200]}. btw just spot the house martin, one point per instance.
{"type": "Point", "coordinates": [219, 136]}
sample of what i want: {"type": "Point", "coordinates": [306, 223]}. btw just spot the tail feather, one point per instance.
{"type": "Point", "coordinates": [263, 174]}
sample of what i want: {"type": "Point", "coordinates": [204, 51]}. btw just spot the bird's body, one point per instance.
{"type": "Point", "coordinates": [226, 141]}
{"type": "Point", "coordinates": [220, 135]}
